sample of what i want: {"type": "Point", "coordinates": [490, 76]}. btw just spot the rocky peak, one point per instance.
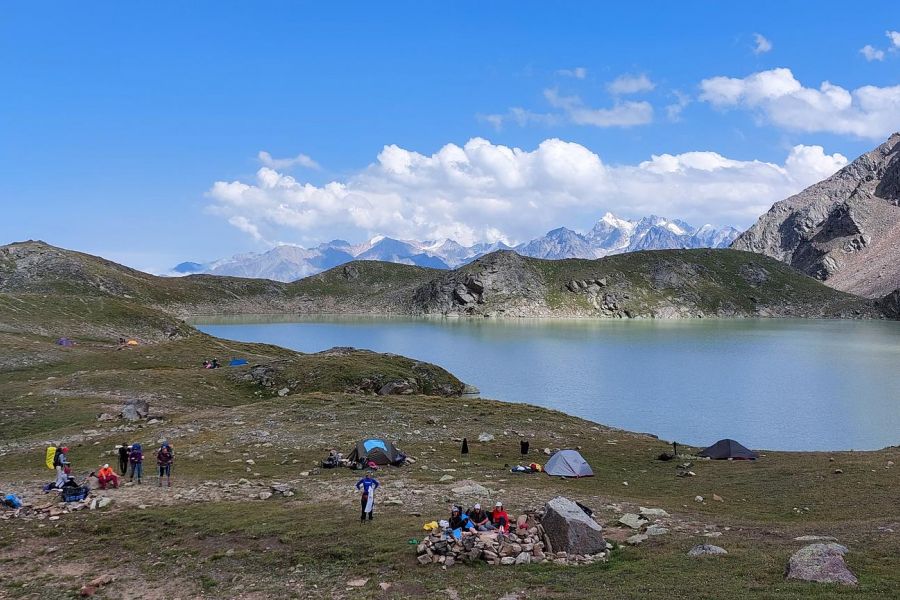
{"type": "Point", "coordinates": [844, 230]}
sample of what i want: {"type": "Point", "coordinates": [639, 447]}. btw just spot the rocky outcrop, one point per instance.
{"type": "Point", "coordinates": [570, 529]}
{"type": "Point", "coordinates": [823, 563]}
{"type": "Point", "coordinates": [499, 283]}
{"type": "Point", "coordinates": [844, 230]}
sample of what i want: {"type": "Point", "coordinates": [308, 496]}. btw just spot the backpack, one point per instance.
{"type": "Point", "coordinates": [136, 455]}
{"type": "Point", "coordinates": [52, 457]}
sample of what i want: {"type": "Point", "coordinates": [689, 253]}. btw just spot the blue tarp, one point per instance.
{"type": "Point", "coordinates": [236, 362]}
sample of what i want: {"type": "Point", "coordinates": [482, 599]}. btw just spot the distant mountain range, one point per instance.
{"type": "Point", "coordinates": [610, 235]}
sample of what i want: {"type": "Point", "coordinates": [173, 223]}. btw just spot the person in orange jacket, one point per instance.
{"type": "Point", "coordinates": [106, 476]}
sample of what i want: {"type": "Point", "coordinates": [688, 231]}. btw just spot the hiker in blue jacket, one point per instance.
{"type": "Point", "coordinates": [368, 485]}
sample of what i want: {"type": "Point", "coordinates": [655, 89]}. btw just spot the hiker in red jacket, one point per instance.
{"type": "Point", "coordinates": [500, 518]}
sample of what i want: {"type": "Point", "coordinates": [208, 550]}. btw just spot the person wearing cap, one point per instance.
{"type": "Point", "coordinates": [500, 518]}
{"type": "Point", "coordinates": [460, 520]}
{"type": "Point", "coordinates": [480, 519]}
{"type": "Point", "coordinates": [106, 476]}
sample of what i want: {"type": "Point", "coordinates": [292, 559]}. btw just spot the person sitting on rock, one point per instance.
{"type": "Point", "coordinates": [480, 519]}
{"type": "Point", "coordinates": [500, 518]}
{"type": "Point", "coordinates": [460, 521]}
{"type": "Point", "coordinates": [106, 476]}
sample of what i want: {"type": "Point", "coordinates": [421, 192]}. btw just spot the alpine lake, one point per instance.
{"type": "Point", "coordinates": [772, 384]}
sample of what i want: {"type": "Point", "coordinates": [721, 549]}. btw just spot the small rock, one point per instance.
{"type": "Point", "coordinates": [838, 471]}
{"type": "Point", "coordinates": [653, 512]}
{"type": "Point", "coordinates": [657, 530]}
{"type": "Point", "coordinates": [284, 392]}
{"type": "Point", "coordinates": [445, 478]}
{"type": "Point", "coordinates": [706, 550]}
{"type": "Point", "coordinates": [357, 583]}
{"type": "Point", "coordinates": [632, 520]}
{"type": "Point", "coordinates": [636, 539]}
{"type": "Point", "coordinates": [698, 498]}
{"type": "Point", "coordinates": [718, 498]}
{"type": "Point", "coordinates": [485, 437]}
{"type": "Point", "coordinates": [815, 538]}
{"type": "Point", "coordinates": [265, 495]}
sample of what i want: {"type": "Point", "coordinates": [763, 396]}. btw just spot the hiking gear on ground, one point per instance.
{"type": "Point", "coordinates": [568, 463]}
{"type": "Point", "coordinates": [725, 449]}
{"type": "Point", "coordinates": [523, 447]}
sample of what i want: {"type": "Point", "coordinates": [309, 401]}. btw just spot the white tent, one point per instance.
{"type": "Point", "coordinates": [568, 463]}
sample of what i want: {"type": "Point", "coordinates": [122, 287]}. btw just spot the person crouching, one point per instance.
{"type": "Point", "coordinates": [107, 477]}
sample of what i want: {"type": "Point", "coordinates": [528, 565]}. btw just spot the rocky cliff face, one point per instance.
{"type": "Point", "coordinates": [844, 230]}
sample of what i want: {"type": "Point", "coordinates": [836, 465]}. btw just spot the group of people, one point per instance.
{"type": "Point", "coordinates": [211, 364]}
{"type": "Point", "coordinates": [131, 463]}
{"type": "Point", "coordinates": [476, 519]}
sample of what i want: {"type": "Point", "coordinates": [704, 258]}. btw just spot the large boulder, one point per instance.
{"type": "Point", "coordinates": [823, 563]}
{"type": "Point", "coordinates": [135, 409]}
{"type": "Point", "coordinates": [570, 529]}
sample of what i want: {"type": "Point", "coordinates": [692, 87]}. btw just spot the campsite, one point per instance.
{"type": "Point", "coordinates": [251, 508]}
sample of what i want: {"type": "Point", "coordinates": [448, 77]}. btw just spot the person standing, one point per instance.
{"type": "Point", "coordinates": [164, 459]}
{"type": "Point", "coordinates": [123, 459]}
{"type": "Point", "coordinates": [136, 458]}
{"type": "Point", "coordinates": [61, 461]}
{"type": "Point", "coordinates": [368, 485]}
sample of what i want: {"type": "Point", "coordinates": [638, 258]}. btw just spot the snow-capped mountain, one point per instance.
{"type": "Point", "coordinates": [610, 235]}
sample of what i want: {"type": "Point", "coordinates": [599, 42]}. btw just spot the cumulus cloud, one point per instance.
{"type": "Point", "coordinates": [894, 36]}
{"type": "Point", "coordinates": [871, 53]}
{"type": "Point", "coordinates": [779, 98]}
{"type": "Point", "coordinates": [301, 160]}
{"type": "Point", "coordinates": [630, 84]}
{"type": "Point", "coordinates": [482, 191]}
{"type": "Point", "coordinates": [760, 44]}
{"type": "Point", "coordinates": [577, 72]}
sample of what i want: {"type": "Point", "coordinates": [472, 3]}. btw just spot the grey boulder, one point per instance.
{"type": "Point", "coordinates": [823, 563]}
{"type": "Point", "coordinates": [570, 529]}
{"type": "Point", "coordinates": [707, 550]}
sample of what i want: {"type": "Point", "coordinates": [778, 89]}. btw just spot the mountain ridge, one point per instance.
{"type": "Point", "coordinates": [610, 235]}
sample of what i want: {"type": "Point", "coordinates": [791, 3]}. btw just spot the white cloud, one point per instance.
{"type": "Point", "coordinates": [894, 36]}
{"type": "Point", "coordinates": [621, 114]}
{"type": "Point", "coordinates": [577, 72]}
{"type": "Point", "coordinates": [573, 110]}
{"type": "Point", "coordinates": [484, 192]}
{"type": "Point", "coordinates": [871, 53]}
{"type": "Point", "coordinates": [779, 98]}
{"type": "Point", "coordinates": [301, 160]}
{"type": "Point", "coordinates": [630, 84]}
{"type": "Point", "coordinates": [673, 110]}
{"type": "Point", "coordinates": [762, 45]}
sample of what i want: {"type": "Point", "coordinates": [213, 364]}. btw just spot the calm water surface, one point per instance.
{"type": "Point", "coordinates": [772, 384]}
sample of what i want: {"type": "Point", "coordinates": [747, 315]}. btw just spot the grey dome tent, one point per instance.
{"type": "Point", "coordinates": [376, 450]}
{"type": "Point", "coordinates": [725, 449]}
{"type": "Point", "coordinates": [568, 463]}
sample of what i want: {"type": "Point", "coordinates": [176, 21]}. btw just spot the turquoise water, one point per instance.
{"type": "Point", "coordinates": [771, 384]}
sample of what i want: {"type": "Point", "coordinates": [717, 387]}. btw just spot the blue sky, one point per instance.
{"type": "Point", "coordinates": [117, 122]}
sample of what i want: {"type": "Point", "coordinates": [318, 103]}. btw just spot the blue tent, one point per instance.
{"type": "Point", "coordinates": [236, 362]}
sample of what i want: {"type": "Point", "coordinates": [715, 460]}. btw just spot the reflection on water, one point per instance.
{"type": "Point", "coordinates": [771, 383]}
